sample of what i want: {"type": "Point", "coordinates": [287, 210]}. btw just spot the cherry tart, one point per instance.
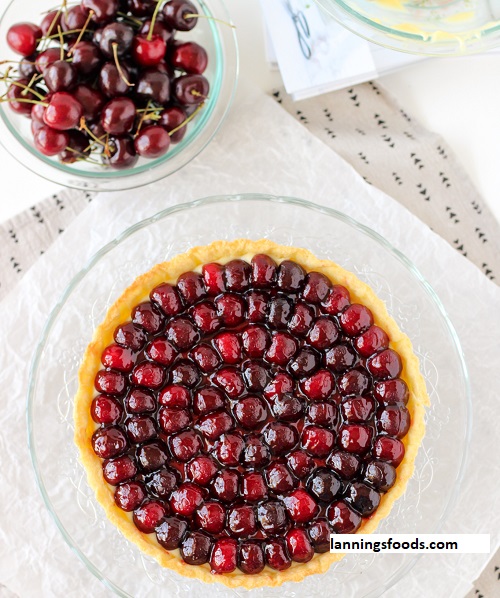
{"type": "Point", "coordinates": [242, 402]}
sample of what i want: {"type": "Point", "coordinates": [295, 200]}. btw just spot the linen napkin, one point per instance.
{"type": "Point", "coordinates": [294, 163]}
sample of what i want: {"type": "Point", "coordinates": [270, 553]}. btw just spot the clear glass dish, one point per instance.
{"type": "Point", "coordinates": [327, 233]}
{"type": "Point", "coordinates": [427, 27]}
{"type": "Point", "coordinates": [219, 40]}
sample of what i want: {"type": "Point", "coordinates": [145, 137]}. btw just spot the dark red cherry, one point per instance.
{"type": "Point", "coordinates": [118, 358]}
{"type": "Point", "coordinates": [241, 521]}
{"type": "Point", "coordinates": [255, 341]}
{"type": "Point", "coordinates": [213, 274]}
{"type": "Point", "coordinates": [148, 317]}
{"type": "Point", "coordinates": [86, 58]}
{"type": "Point", "coordinates": [277, 556]}
{"type": "Point", "coordinates": [116, 38]}
{"type": "Point", "coordinates": [50, 22]}
{"type": "Point", "coordinates": [189, 57]}
{"type": "Point", "coordinates": [140, 401]}
{"type": "Point", "coordinates": [130, 495]}
{"type": "Point", "coordinates": [162, 483]}
{"type": "Point", "coordinates": [195, 548]}
{"type": "Point", "coordinates": [63, 112]}
{"type": "Point", "coordinates": [380, 475]}
{"type": "Point", "coordinates": [148, 516]}
{"type": "Point", "coordinates": [175, 396]}
{"type": "Point", "coordinates": [231, 309]}
{"type": "Point", "coordinates": [255, 375]}
{"type": "Point", "coordinates": [78, 148]}
{"type": "Point", "coordinates": [186, 499]}
{"type": "Point", "coordinates": [150, 375]}
{"type": "Point", "coordinates": [279, 479]}
{"type": "Point", "coordinates": [342, 518]}
{"type": "Point", "coordinates": [323, 333]}
{"type": "Point", "coordinates": [141, 8]}
{"type": "Point", "coordinates": [371, 341]}
{"type": "Point", "coordinates": [319, 531]}
{"type": "Point", "coordinates": [228, 344]}
{"type": "Point", "coordinates": [161, 351]}
{"type": "Point", "coordinates": [148, 52]}
{"type": "Point", "coordinates": [301, 506]}
{"type": "Point", "coordinates": [386, 364]}
{"type": "Point", "coordinates": [394, 420]}
{"type": "Point", "coordinates": [305, 363]}
{"type": "Point", "coordinates": [190, 90]}
{"type": "Point", "coordinates": [281, 384]}
{"type": "Point", "coordinates": [279, 312]}
{"type": "Point", "coordinates": [280, 437]}
{"type": "Point", "coordinates": [202, 469]}
{"type": "Point", "coordinates": [170, 532]}
{"type": "Point", "coordinates": [152, 142]}
{"type": "Point", "coordinates": [389, 449]}
{"type": "Point", "coordinates": [263, 271]}
{"type": "Point", "coordinates": [357, 409]}
{"type": "Point", "coordinates": [251, 558]}
{"type": "Point", "coordinates": [118, 470]}
{"type": "Point", "coordinates": [176, 14]}
{"type": "Point", "coordinates": [110, 383]}
{"type": "Point", "coordinates": [317, 441]}
{"type": "Point", "coordinates": [340, 358]}
{"type": "Point", "coordinates": [173, 420]}
{"type": "Point", "coordinates": [73, 19]}
{"type": "Point", "coordinates": [255, 453]}
{"type": "Point", "coordinates": [300, 463]}
{"type": "Point", "coordinates": [253, 487]}
{"type": "Point", "coordinates": [103, 10]}
{"type": "Point", "coordinates": [186, 445]}
{"type": "Point", "coordinates": [345, 464]}
{"type": "Point", "coordinates": [250, 412]}
{"type": "Point", "coordinates": [91, 100]}
{"type": "Point", "coordinates": [354, 382]}
{"type": "Point", "coordinates": [302, 318]}
{"type": "Point", "coordinates": [224, 485]}
{"type": "Point", "coordinates": [112, 83]}
{"type": "Point", "coordinates": [49, 141]}
{"type": "Point", "coordinates": [355, 438]}
{"type": "Point", "coordinates": [282, 349]}
{"type": "Point", "coordinates": [185, 373]}
{"type": "Point", "coordinates": [214, 424]}
{"type": "Point", "coordinates": [231, 381]}
{"type": "Point", "coordinates": [118, 116]}
{"type": "Point", "coordinates": [159, 28]}
{"type": "Point", "coordinates": [106, 410]}
{"type": "Point", "coordinates": [211, 517]}
{"type": "Point", "coordinates": [224, 556]}
{"type": "Point", "coordinates": [46, 58]}
{"type": "Point", "coordinates": [229, 448]}
{"type": "Point", "coordinates": [257, 306]}
{"type": "Point", "coordinates": [109, 442]}
{"type": "Point", "coordinates": [205, 317]}
{"type": "Point", "coordinates": [316, 289]}
{"type": "Point", "coordinates": [291, 276]}
{"type": "Point", "coordinates": [130, 335]}
{"type": "Point", "coordinates": [337, 300]}
{"type": "Point", "coordinates": [362, 498]}
{"type": "Point", "coordinates": [27, 68]}
{"type": "Point", "coordinates": [155, 86]}
{"type": "Point", "coordinates": [152, 456]}
{"type": "Point", "coordinates": [356, 319]}
{"type": "Point", "coordinates": [391, 392]}
{"type": "Point", "coordinates": [319, 386]}
{"type": "Point", "coordinates": [324, 485]}
{"type": "Point", "coordinates": [272, 518]}
{"type": "Point", "coordinates": [166, 297]}
{"type": "Point", "coordinates": [182, 333]}
{"type": "Point", "coordinates": [60, 76]}
{"type": "Point", "coordinates": [23, 38]}
{"type": "Point", "coordinates": [207, 399]}
{"type": "Point", "coordinates": [299, 546]}
{"type": "Point", "coordinates": [287, 408]}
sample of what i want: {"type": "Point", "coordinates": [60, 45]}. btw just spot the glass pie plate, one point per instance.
{"type": "Point", "coordinates": [218, 37]}
{"type": "Point", "coordinates": [427, 27]}
{"type": "Point", "coordinates": [328, 234]}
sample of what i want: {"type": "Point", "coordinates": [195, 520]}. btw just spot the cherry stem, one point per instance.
{"type": "Point", "coordinates": [63, 33]}
{"type": "Point", "coordinates": [24, 101]}
{"type": "Point", "coordinates": [54, 21]}
{"type": "Point", "coordinates": [83, 127]}
{"type": "Point", "coordinates": [80, 35]}
{"type": "Point", "coordinates": [118, 65]}
{"type": "Point", "coordinates": [141, 120]}
{"type": "Point", "coordinates": [197, 94]}
{"type": "Point", "coordinates": [61, 41]}
{"type": "Point", "coordinates": [186, 120]}
{"type": "Point", "coordinates": [153, 20]}
{"type": "Point", "coordinates": [192, 15]}
{"type": "Point", "coordinates": [26, 88]}
{"type": "Point", "coordinates": [34, 78]}
{"type": "Point", "coordinates": [130, 18]}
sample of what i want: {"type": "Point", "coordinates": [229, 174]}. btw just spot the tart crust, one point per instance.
{"type": "Point", "coordinates": [222, 252]}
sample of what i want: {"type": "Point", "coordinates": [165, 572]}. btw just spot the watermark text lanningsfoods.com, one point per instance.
{"type": "Point", "coordinates": [397, 543]}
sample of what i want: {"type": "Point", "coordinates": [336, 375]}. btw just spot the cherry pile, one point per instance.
{"type": "Point", "coordinates": [106, 81]}
{"type": "Point", "coordinates": [248, 412]}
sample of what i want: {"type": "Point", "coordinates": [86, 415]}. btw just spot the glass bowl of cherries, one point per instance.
{"type": "Point", "coordinates": [113, 94]}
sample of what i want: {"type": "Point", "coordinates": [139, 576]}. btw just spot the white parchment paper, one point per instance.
{"type": "Point", "coordinates": [261, 149]}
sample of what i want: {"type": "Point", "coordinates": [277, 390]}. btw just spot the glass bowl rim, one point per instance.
{"type": "Point", "coordinates": [224, 199]}
{"type": "Point", "coordinates": [395, 39]}
{"type": "Point", "coordinates": [200, 134]}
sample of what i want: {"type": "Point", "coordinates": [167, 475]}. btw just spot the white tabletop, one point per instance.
{"type": "Point", "coordinates": [458, 98]}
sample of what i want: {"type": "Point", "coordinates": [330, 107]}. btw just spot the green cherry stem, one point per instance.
{"type": "Point", "coordinates": [80, 35]}
{"type": "Point", "coordinates": [118, 65]}
{"type": "Point", "coordinates": [193, 15]}
{"type": "Point", "coordinates": [186, 120]}
{"type": "Point", "coordinates": [153, 19]}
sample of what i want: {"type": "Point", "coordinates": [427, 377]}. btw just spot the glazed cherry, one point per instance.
{"type": "Point", "coordinates": [272, 518]}
{"type": "Point", "coordinates": [287, 408]}
{"type": "Point", "coordinates": [255, 453]}
{"type": "Point", "coordinates": [49, 141]}
{"type": "Point", "coordinates": [391, 392]}
{"type": "Point", "coordinates": [319, 531]}
{"type": "Point", "coordinates": [280, 385]}
{"type": "Point", "coordinates": [23, 38]}
{"type": "Point", "coordinates": [305, 363]}
{"type": "Point", "coordinates": [280, 437]}
{"type": "Point", "coordinates": [251, 558]}
{"type": "Point", "coordinates": [263, 271]}
{"type": "Point", "coordinates": [195, 548]}
{"type": "Point", "coordinates": [338, 299]}
{"type": "Point", "coordinates": [277, 556]}
{"type": "Point", "coordinates": [300, 463]}
{"type": "Point", "coordinates": [166, 297]}
{"type": "Point", "coordinates": [363, 499]}
{"type": "Point", "coordinates": [279, 479]}
{"type": "Point", "coordinates": [279, 312]}
{"type": "Point", "coordinates": [63, 112]}
{"type": "Point", "coordinates": [162, 483]}
{"type": "Point", "coordinates": [186, 499]}
{"type": "Point", "coordinates": [355, 438]}
{"type": "Point", "coordinates": [152, 142]}
{"type": "Point", "coordinates": [371, 341]}
{"type": "Point", "coordinates": [389, 449]}
{"type": "Point", "coordinates": [302, 318]}
{"type": "Point", "coordinates": [229, 449]}
{"type": "Point", "coordinates": [119, 470]}
{"type": "Point", "coordinates": [345, 464]}
{"type": "Point", "coordinates": [356, 319]}
{"type": "Point", "coordinates": [231, 309]}
{"type": "Point", "coordinates": [211, 517]}
{"type": "Point", "coordinates": [317, 441]}
{"type": "Point", "coordinates": [357, 409]}
{"type": "Point", "coordinates": [148, 516]}
{"type": "Point", "coordinates": [185, 373]}
{"type": "Point", "coordinates": [301, 506]}
{"type": "Point", "coordinates": [394, 420]}
{"type": "Point", "coordinates": [215, 424]}
{"type": "Point", "coordinates": [291, 276]}
{"type": "Point", "coordinates": [118, 358]}
{"type": "Point", "coordinates": [253, 487]}
{"type": "Point", "coordinates": [150, 375]}
{"type": "Point", "coordinates": [178, 14]}
{"type": "Point", "coordinates": [185, 445]}
{"type": "Point", "coordinates": [229, 347]}
{"type": "Point", "coordinates": [324, 485]}
{"type": "Point", "coordinates": [257, 306]}
{"type": "Point", "coordinates": [130, 495]}
{"type": "Point", "coordinates": [342, 518]}
{"type": "Point", "coordinates": [205, 317]}
{"type": "Point", "coordinates": [255, 375]}
{"type": "Point", "coordinates": [148, 51]}
{"type": "Point", "coordinates": [316, 289]}
{"type": "Point", "coordinates": [170, 532]}
{"type": "Point", "coordinates": [173, 420]}
{"type": "Point", "coordinates": [190, 90]}
{"type": "Point", "coordinates": [152, 456]}
{"type": "Point", "coordinates": [319, 386]}
{"type": "Point", "coordinates": [106, 410]}
{"type": "Point", "coordinates": [282, 349]}
{"type": "Point", "coordinates": [140, 401]}
{"type": "Point", "coordinates": [148, 317]}
{"type": "Point", "coordinates": [323, 333]}
{"type": "Point", "coordinates": [340, 358]}
{"type": "Point", "coordinates": [224, 485]}
{"type": "Point", "coordinates": [140, 428]}
{"type": "Point", "coordinates": [109, 442]}
{"type": "Point", "coordinates": [380, 475]}
{"type": "Point", "coordinates": [241, 521]}
{"type": "Point", "coordinates": [322, 414]}
{"type": "Point", "coordinates": [110, 383]}
{"type": "Point", "coordinates": [386, 364]}
{"type": "Point", "coordinates": [161, 351]}
{"type": "Point", "coordinates": [224, 556]}
{"type": "Point", "coordinates": [354, 382]}
{"type": "Point", "coordinates": [250, 412]}
{"type": "Point", "coordinates": [182, 333]}
{"type": "Point", "coordinates": [130, 335]}
{"type": "Point", "coordinates": [207, 399]}
{"type": "Point", "coordinates": [231, 381]}
{"type": "Point", "coordinates": [299, 546]}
